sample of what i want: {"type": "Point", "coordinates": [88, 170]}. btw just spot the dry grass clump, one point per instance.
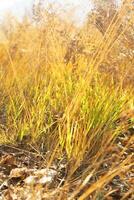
{"type": "Point", "coordinates": [68, 91]}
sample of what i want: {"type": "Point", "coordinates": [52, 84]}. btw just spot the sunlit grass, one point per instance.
{"type": "Point", "coordinates": [69, 108]}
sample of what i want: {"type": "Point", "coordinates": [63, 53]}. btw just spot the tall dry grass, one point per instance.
{"type": "Point", "coordinates": [63, 89]}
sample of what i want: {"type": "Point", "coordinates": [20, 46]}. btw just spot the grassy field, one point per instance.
{"type": "Point", "coordinates": [66, 93]}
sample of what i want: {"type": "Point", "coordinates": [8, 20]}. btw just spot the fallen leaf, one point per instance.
{"type": "Point", "coordinates": [19, 173]}
{"type": "Point", "coordinates": [8, 160]}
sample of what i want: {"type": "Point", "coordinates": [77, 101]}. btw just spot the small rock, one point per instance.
{"type": "Point", "coordinates": [45, 180]}
{"type": "Point", "coordinates": [30, 180]}
{"type": "Point", "coordinates": [45, 172]}
{"type": "Point", "coordinates": [43, 176]}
